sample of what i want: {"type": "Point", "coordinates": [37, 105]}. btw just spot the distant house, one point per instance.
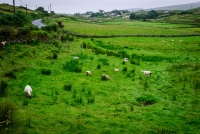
{"type": "Point", "coordinates": [166, 12]}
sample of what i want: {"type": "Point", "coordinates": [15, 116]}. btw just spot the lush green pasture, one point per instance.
{"type": "Point", "coordinates": [124, 28]}
{"type": "Point", "coordinates": [8, 9]}
{"type": "Point", "coordinates": [167, 102]}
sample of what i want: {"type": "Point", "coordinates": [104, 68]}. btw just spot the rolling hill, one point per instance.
{"type": "Point", "coordinates": [173, 7]}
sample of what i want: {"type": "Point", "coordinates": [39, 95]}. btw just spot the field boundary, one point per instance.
{"type": "Point", "coordinates": [129, 35]}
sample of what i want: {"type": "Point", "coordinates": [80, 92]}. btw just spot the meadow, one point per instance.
{"type": "Point", "coordinates": [106, 27]}
{"type": "Point", "coordinates": [65, 100]}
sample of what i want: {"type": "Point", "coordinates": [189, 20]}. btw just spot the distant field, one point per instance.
{"type": "Point", "coordinates": [114, 28]}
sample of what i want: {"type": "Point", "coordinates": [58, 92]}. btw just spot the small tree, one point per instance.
{"type": "Point", "coordinates": [152, 14]}
{"type": "Point", "coordinates": [132, 16]}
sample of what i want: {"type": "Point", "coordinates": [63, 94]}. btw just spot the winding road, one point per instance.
{"type": "Point", "coordinates": [38, 23]}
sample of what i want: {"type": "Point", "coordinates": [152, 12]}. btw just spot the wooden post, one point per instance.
{"type": "Point", "coordinates": [26, 9]}
{"type": "Point", "coordinates": [14, 5]}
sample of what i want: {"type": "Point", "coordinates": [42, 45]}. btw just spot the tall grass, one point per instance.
{"type": "Point", "coordinates": [72, 66]}
{"type": "Point", "coordinates": [3, 88]}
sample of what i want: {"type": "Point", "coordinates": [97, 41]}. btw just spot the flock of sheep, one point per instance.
{"type": "Point", "coordinates": [172, 41]}
{"type": "Point", "coordinates": [28, 89]}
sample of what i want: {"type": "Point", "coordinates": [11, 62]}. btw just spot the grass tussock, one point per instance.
{"type": "Point", "coordinates": [3, 88]}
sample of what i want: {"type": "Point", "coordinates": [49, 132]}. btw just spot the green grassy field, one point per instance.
{"type": "Point", "coordinates": [125, 27]}
{"type": "Point", "coordinates": [65, 100]}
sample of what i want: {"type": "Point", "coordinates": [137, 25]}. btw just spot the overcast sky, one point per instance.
{"type": "Point", "coordinates": [82, 6]}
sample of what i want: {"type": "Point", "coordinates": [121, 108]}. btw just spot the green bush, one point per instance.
{"type": "Point", "coordinates": [55, 56]}
{"type": "Point", "coordinates": [99, 66]}
{"type": "Point", "coordinates": [104, 61]}
{"type": "Point", "coordinates": [3, 87]}
{"type": "Point", "coordinates": [46, 71]}
{"type": "Point", "coordinates": [10, 74]}
{"type": "Point", "coordinates": [125, 69]}
{"type": "Point", "coordinates": [68, 87]}
{"type": "Point", "coordinates": [146, 99]}
{"type": "Point", "coordinates": [72, 66]}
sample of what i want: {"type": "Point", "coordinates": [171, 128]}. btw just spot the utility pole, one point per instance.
{"type": "Point", "coordinates": [26, 9]}
{"type": "Point", "coordinates": [50, 7]}
{"type": "Point", "coordinates": [14, 5]}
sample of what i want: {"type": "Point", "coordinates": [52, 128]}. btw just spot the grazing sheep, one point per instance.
{"type": "Point", "coordinates": [116, 69]}
{"type": "Point", "coordinates": [3, 43]}
{"type": "Point", "coordinates": [125, 59]}
{"type": "Point", "coordinates": [75, 57]}
{"type": "Point", "coordinates": [88, 73]}
{"type": "Point", "coordinates": [180, 41]}
{"type": "Point", "coordinates": [163, 41]}
{"type": "Point", "coordinates": [146, 72]}
{"type": "Point", "coordinates": [172, 40]}
{"type": "Point", "coordinates": [28, 91]}
{"type": "Point", "coordinates": [105, 77]}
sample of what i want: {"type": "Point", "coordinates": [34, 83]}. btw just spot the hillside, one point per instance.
{"type": "Point", "coordinates": [8, 9]}
{"type": "Point", "coordinates": [179, 7]}
{"type": "Point", "coordinates": [173, 7]}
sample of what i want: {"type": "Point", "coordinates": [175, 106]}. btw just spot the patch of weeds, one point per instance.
{"type": "Point", "coordinates": [3, 87]}
{"type": "Point", "coordinates": [104, 61]}
{"type": "Point", "coordinates": [46, 71]}
{"type": "Point", "coordinates": [98, 66]}
{"type": "Point", "coordinates": [68, 87]}
{"type": "Point", "coordinates": [72, 66]}
{"type": "Point", "coordinates": [10, 74]}
{"type": "Point", "coordinates": [146, 99]}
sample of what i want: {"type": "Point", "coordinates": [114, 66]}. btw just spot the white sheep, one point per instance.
{"type": "Point", "coordinates": [75, 57]}
{"type": "Point", "coordinates": [105, 77]}
{"type": "Point", "coordinates": [125, 59]}
{"type": "Point", "coordinates": [180, 41]}
{"type": "Point", "coordinates": [3, 43]}
{"type": "Point", "coordinates": [88, 73]}
{"type": "Point", "coordinates": [116, 69]}
{"type": "Point", "coordinates": [146, 72]}
{"type": "Point", "coordinates": [163, 41]}
{"type": "Point", "coordinates": [28, 90]}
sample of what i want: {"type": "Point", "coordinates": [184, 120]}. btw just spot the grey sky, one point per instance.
{"type": "Point", "coordinates": [82, 6]}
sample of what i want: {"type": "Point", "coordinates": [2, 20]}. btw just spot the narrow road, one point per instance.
{"type": "Point", "coordinates": [38, 23]}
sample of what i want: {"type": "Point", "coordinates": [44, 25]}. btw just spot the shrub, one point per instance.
{"type": "Point", "coordinates": [84, 45]}
{"type": "Point", "coordinates": [55, 56]}
{"type": "Point", "coordinates": [91, 99]}
{"type": "Point", "coordinates": [72, 66]}
{"type": "Point", "coordinates": [46, 71]}
{"type": "Point", "coordinates": [6, 114]}
{"type": "Point", "coordinates": [68, 87]}
{"type": "Point", "coordinates": [125, 69]}
{"type": "Point", "coordinates": [146, 99]}
{"type": "Point", "coordinates": [136, 62]}
{"type": "Point", "coordinates": [3, 87]}
{"type": "Point", "coordinates": [104, 61]}
{"type": "Point", "coordinates": [10, 74]}
{"type": "Point", "coordinates": [98, 66]}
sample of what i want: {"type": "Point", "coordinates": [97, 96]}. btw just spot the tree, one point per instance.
{"type": "Point", "coordinates": [152, 14]}
{"type": "Point", "coordinates": [132, 16]}
{"type": "Point", "coordinates": [41, 9]}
